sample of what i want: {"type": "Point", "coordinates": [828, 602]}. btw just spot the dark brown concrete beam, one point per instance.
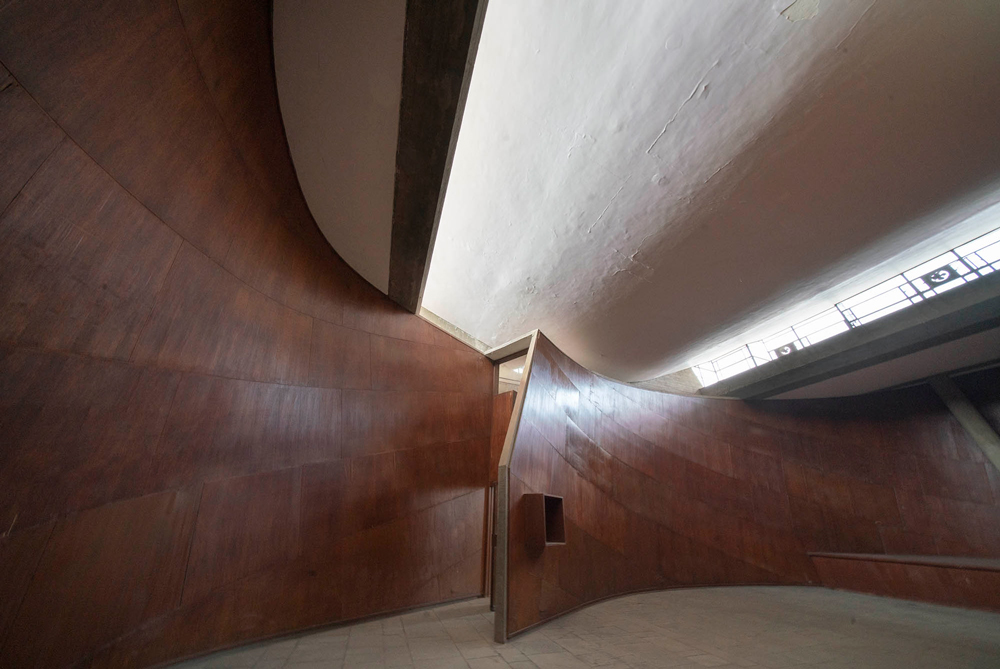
{"type": "Point", "coordinates": [439, 50]}
{"type": "Point", "coordinates": [968, 415]}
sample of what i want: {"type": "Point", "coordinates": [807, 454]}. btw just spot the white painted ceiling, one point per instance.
{"type": "Point", "coordinates": [646, 182]}
{"type": "Point", "coordinates": [339, 68]}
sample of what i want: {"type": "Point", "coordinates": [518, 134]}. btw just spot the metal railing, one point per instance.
{"type": "Point", "coordinates": [951, 269]}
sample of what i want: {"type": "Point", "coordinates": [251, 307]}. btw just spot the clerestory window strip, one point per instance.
{"type": "Point", "coordinates": [965, 263]}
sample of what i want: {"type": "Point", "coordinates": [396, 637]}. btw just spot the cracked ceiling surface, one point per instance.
{"type": "Point", "coordinates": [646, 181]}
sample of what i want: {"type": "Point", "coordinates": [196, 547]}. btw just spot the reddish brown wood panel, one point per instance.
{"type": "Point", "coordinates": [381, 569]}
{"type": "Point", "coordinates": [244, 525]}
{"type": "Point", "coordinates": [103, 573]}
{"type": "Point", "coordinates": [341, 357]}
{"type": "Point", "coordinates": [663, 490]}
{"type": "Point", "coordinates": [218, 427]}
{"type": "Point", "coordinates": [348, 496]}
{"type": "Point", "coordinates": [201, 300]}
{"type": "Point", "coordinates": [368, 310]}
{"type": "Point", "coordinates": [29, 137]}
{"type": "Point", "coordinates": [120, 78]}
{"type": "Point", "coordinates": [78, 432]}
{"type": "Point", "coordinates": [191, 381]}
{"type": "Point", "coordinates": [398, 364]}
{"type": "Point", "coordinates": [387, 421]}
{"type": "Point", "coordinates": [503, 408]}
{"type": "Point", "coordinates": [976, 588]}
{"type": "Point", "coordinates": [80, 260]}
{"type": "Point", "coordinates": [231, 42]}
{"type": "Point", "coordinates": [19, 556]}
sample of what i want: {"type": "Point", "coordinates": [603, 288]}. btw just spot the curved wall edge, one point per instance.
{"type": "Point", "coordinates": [339, 70]}
{"type": "Point", "coordinates": [665, 490]}
{"type": "Point", "coordinates": [214, 431]}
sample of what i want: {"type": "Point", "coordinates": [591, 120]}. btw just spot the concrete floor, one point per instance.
{"type": "Point", "coordinates": [777, 627]}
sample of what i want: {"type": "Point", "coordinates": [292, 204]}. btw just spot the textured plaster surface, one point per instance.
{"type": "Point", "coordinates": [339, 69]}
{"type": "Point", "coordinates": [648, 182]}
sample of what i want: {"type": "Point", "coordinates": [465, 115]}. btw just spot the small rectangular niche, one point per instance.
{"type": "Point", "coordinates": [543, 519]}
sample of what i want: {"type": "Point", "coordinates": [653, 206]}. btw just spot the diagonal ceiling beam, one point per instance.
{"type": "Point", "coordinates": [439, 49]}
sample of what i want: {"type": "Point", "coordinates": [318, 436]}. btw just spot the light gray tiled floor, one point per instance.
{"type": "Point", "coordinates": [777, 627]}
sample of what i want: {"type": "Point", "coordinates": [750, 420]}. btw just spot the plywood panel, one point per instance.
{"type": "Point", "coordinates": [244, 525]}
{"type": "Point", "coordinates": [345, 497]}
{"type": "Point", "coordinates": [103, 573]}
{"type": "Point", "coordinates": [218, 427]}
{"type": "Point", "coordinates": [340, 357]}
{"type": "Point", "coordinates": [953, 584]}
{"type": "Point", "coordinates": [173, 321]}
{"type": "Point", "coordinates": [734, 492]}
{"type": "Point", "coordinates": [264, 340]}
{"type": "Point", "coordinates": [419, 559]}
{"type": "Point", "coordinates": [231, 42]}
{"type": "Point", "coordinates": [386, 421]}
{"type": "Point", "coordinates": [81, 261]}
{"type": "Point", "coordinates": [404, 365]}
{"type": "Point", "coordinates": [19, 556]}
{"type": "Point", "coordinates": [78, 432]}
{"type": "Point", "coordinates": [120, 78]}
{"type": "Point", "coordinates": [368, 310]}
{"type": "Point", "coordinates": [274, 256]}
{"type": "Point", "coordinates": [27, 137]}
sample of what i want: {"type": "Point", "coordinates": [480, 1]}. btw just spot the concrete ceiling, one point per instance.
{"type": "Point", "coordinates": [647, 181]}
{"type": "Point", "coordinates": [339, 73]}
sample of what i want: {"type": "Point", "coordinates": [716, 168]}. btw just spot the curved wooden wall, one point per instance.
{"type": "Point", "coordinates": [663, 490]}
{"type": "Point", "coordinates": [211, 430]}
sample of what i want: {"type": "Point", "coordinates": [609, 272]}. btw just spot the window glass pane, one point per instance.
{"type": "Point", "coordinates": [929, 278]}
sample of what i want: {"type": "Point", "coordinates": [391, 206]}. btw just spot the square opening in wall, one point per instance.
{"type": "Point", "coordinates": [555, 528]}
{"type": "Point", "coordinates": [543, 520]}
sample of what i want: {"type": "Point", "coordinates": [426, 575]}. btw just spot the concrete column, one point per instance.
{"type": "Point", "coordinates": [969, 417]}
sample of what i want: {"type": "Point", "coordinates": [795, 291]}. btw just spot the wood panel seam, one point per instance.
{"type": "Point", "coordinates": [209, 479]}
{"type": "Point", "coordinates": [190, 548]}
{"type": "Point", "coordinates": [200, 482]}
{"type": "Point", "coordinates": [220, 265]}
{"type": "Point", "coordinates": [130, 445]}
{"type": "Point", "coordinates": [697, 431]}
{"type": "Point", "coordinates": [32, 177]}
{"type": "Point", "coordinates": [583, 530]}
{"type": "Point", "coordinates": [211, 101]}
{"type": "Point", "coordinates": [234, 145]}
{"type": "Point", "coordinates": [24, 595]}
{"type": "Point", "coordinates": [86, 153]}
{"type": "Point", "coordinates": [155, 300]}
{"type": "Point", "coordinates": [15, 345]}
{"type": "Point", "coordinates": [276, 566]}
